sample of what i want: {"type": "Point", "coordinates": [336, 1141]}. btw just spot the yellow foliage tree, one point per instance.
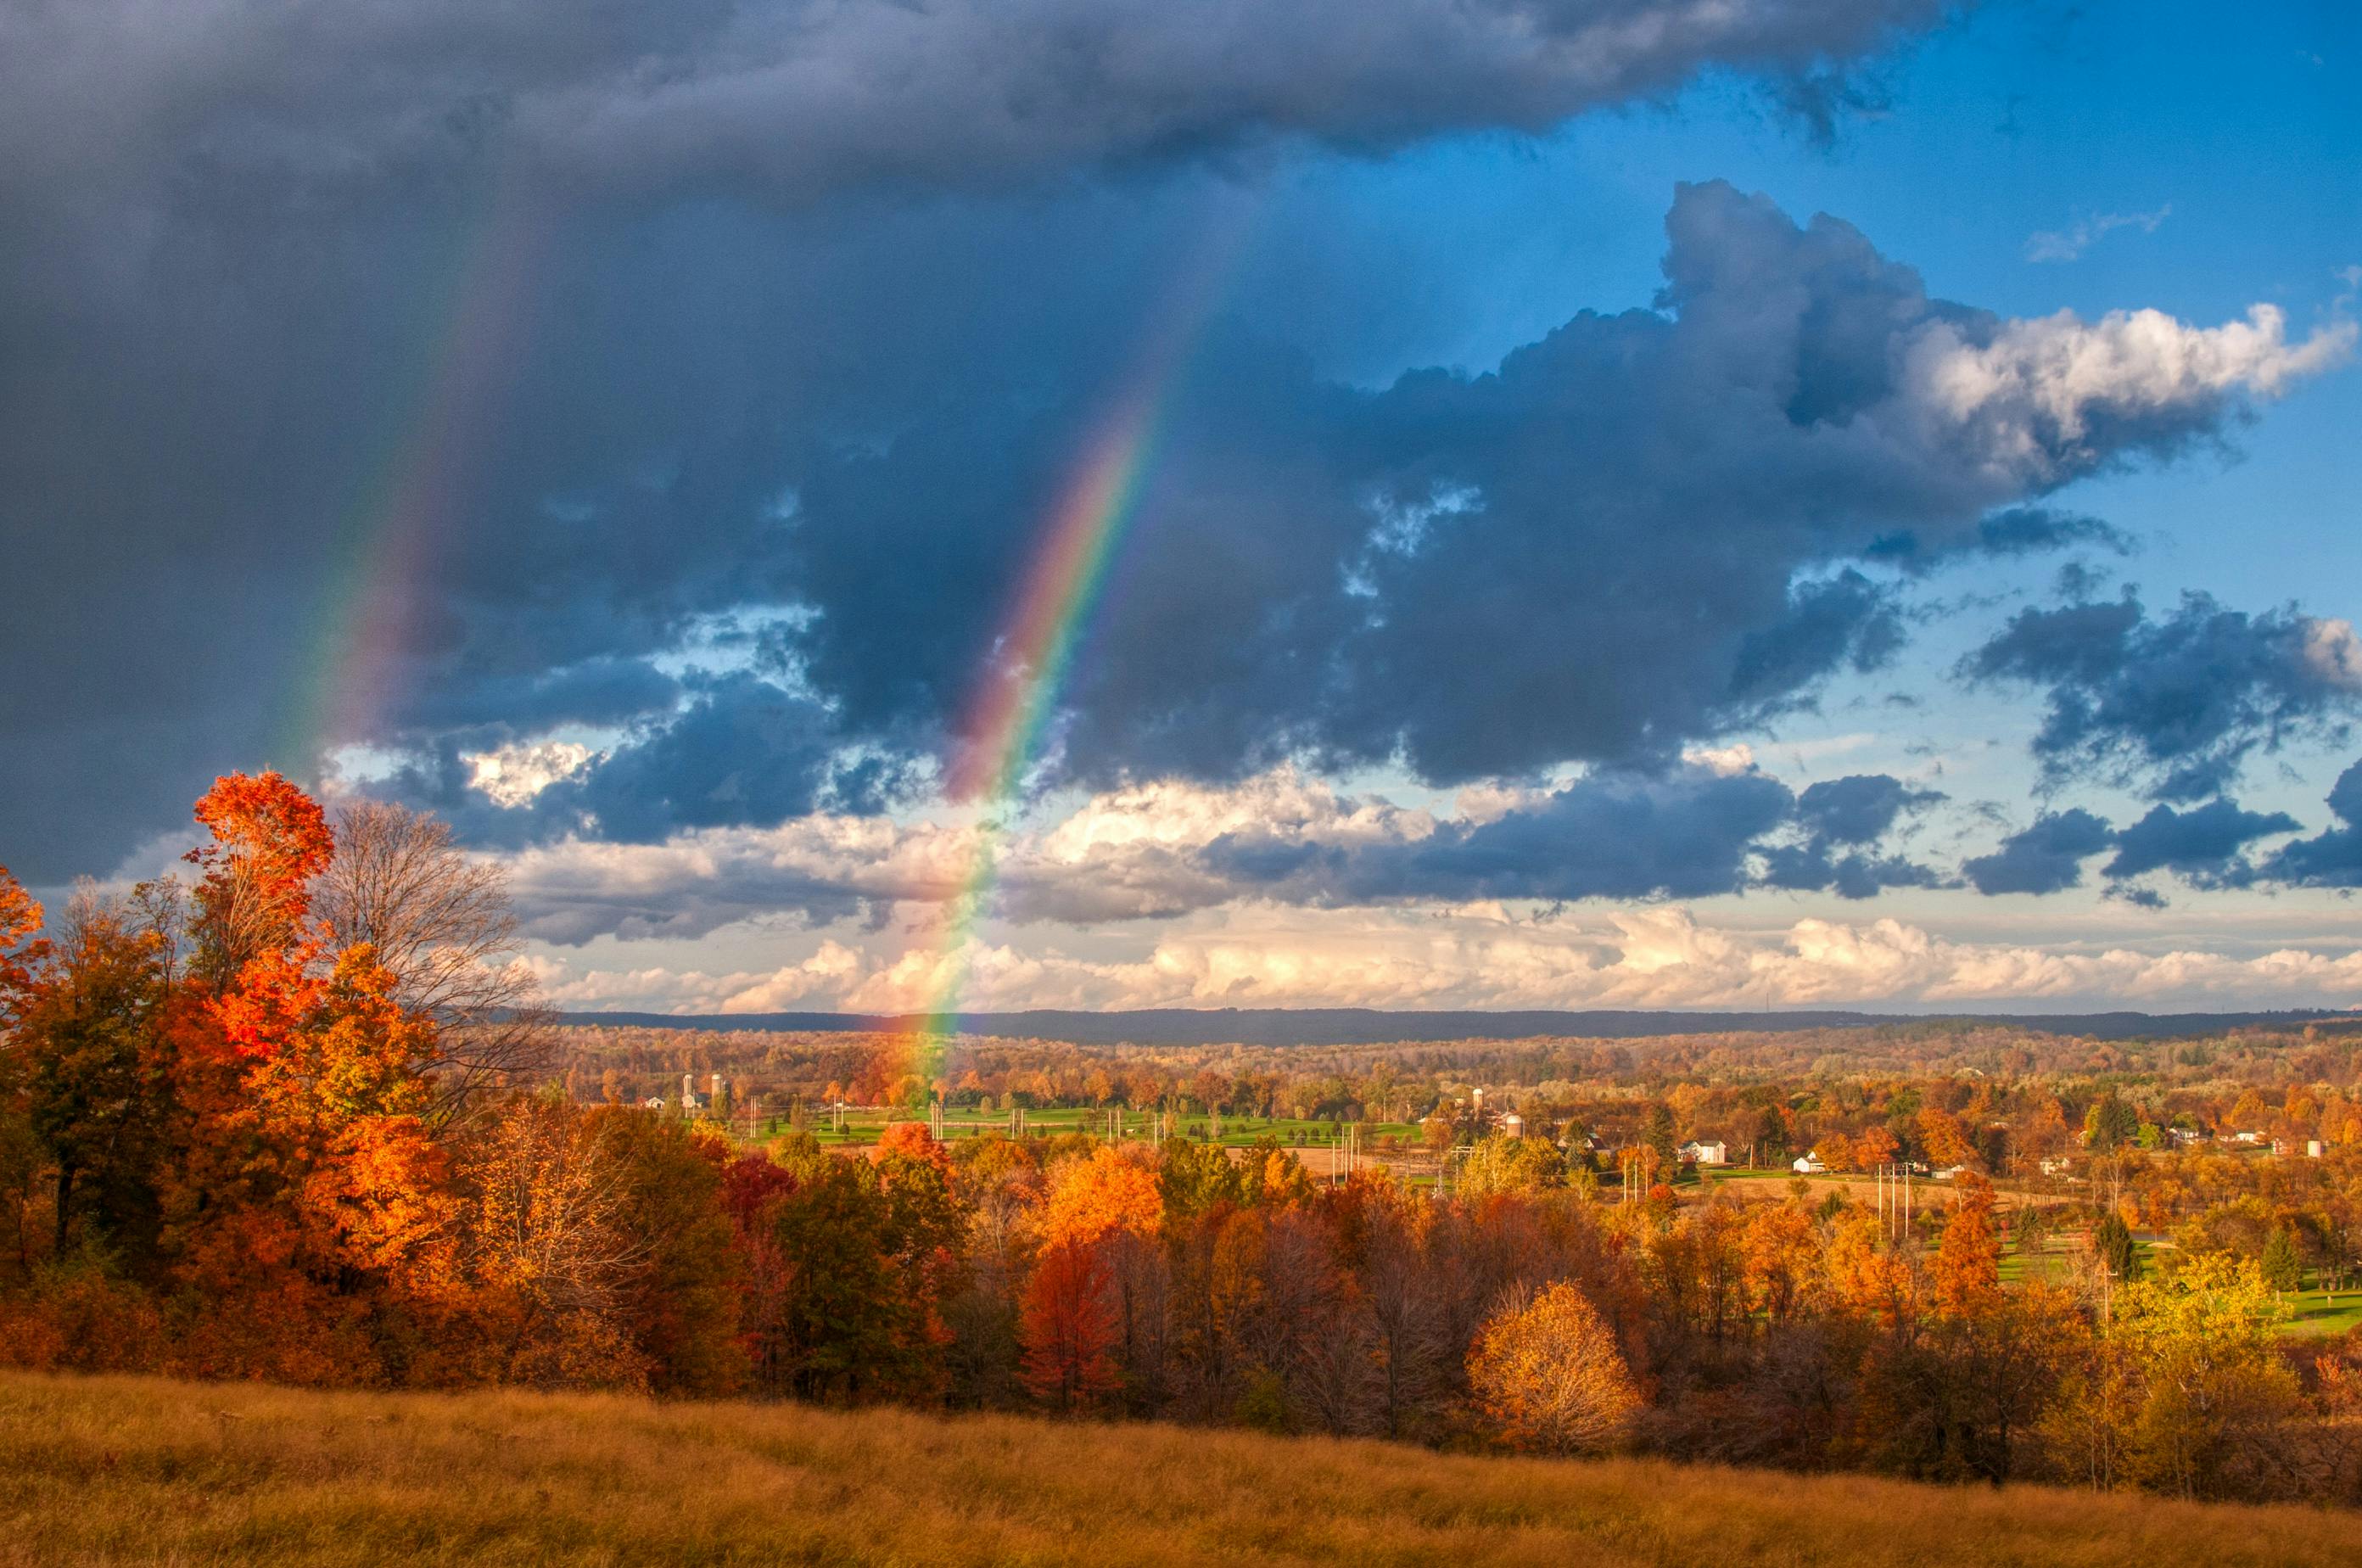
{"type": "Point", "coordinates": [1550, 1377]}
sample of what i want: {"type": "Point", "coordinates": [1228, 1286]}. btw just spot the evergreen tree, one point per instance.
{"type": "Point", "coordinates": [2110, 1124]}
{"type": "Point", "coordinates": [2283, 1265]}
{"type": "Point", "coordinates": [2111, 1240]}
{"type": "Point", "coordinates": [1660, 1136]}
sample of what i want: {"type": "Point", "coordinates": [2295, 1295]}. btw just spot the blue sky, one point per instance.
{"type": "Point", "coordinates": [638, 467]}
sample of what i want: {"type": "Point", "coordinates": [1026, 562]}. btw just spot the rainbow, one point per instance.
{"type": "Point", "coordinates": [1016, 702]}
{"type": "Point", "coordinates": [385, 547]}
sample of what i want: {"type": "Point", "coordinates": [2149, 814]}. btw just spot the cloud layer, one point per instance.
{"type": "Point", "coordinates": [1159, 851]}
{"type": "Point", "coordinates": [811, 99]}
{"type": "Point", "coordinates": [1663, 957]}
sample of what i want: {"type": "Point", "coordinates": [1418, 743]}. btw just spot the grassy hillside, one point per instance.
{"type": "Point", "coordinates": [128, 1470]}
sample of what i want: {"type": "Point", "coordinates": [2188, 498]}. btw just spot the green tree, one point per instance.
{"type": "Point", "coordinates": [2111, 1243]}
{"type": "Point", "coordinates": [1192, 1178]}
{"type": "Point", "coordinates": [847, 1263]}
{"type": "Point", "coordinates": [94, 1084]}
{"type": "Point", "coordinates": [2283, 1265]}
{"type": "Point", "coordinates": [1659, 1136]}
{"type": "Point", "coordinates": [2111, 1123]}
{"type": "Point", "coordinates": [682, 1303]}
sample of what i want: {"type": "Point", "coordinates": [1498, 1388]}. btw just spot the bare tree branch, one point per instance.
{"type": "Point", "coordinates": [441, 922]}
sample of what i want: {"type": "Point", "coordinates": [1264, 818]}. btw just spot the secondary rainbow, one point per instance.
{"type": "Point", "coordinates": [421, 483]}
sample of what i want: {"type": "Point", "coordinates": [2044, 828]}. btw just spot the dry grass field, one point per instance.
{"type": "Point", "coordinates": [131, 1470]}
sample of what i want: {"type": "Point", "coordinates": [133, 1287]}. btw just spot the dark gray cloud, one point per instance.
{"type": "Point", "coordinates": [2333, 858]}
{"type": "Point", "coordinates": [2174, 704]}
{"type": "Point", "coordinates": [600, 690]}
{"type": "Point", "coordinates": [1859, 808]}
{"type": "Point", "coordinates": [567, 297]}
{"type": "Point", "coordinates": [2046, 858]}
{"type": "Point", "coordinates": [1637, 532]}
{"type": "Point", "coordinates": [2204, 845]}
{"type": "Point", "coordinates": [1688, 832]}
{"type": "Point", "coordinates": [1841, 819]}
{"type": "Point", "coordinates": [809, 98]}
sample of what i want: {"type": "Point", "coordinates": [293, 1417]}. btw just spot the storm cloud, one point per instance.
{"type": "Point", "coordinates": [1646, 529]}
{"type": "Point", "coordinates": [673, 396]}
{"type": "Point", "coordinates": [806, 99]}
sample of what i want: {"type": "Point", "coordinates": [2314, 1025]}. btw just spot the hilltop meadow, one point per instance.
{"type": "Point", "coordinates": [115, 1470]}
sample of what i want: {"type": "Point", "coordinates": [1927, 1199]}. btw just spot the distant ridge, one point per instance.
{"type": "Point", "coordinates": [1374, 1026]}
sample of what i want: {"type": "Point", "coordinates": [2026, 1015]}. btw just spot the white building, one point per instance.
{"type": "Point", "coordinates": [1513, 1125]}
{"type": "Point", "coordinates": [1809, 1165]}
{"type": "Point", "coordinates": [1715, 1154]}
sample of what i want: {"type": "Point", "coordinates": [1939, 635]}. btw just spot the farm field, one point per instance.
{"type": "Point", "coordinates": [131, 1470]}
{"type": "Point", "coordinates": [863, 1127]}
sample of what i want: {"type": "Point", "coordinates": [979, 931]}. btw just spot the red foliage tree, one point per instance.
{"type": "Point", "coordinates": [1069, 1327]}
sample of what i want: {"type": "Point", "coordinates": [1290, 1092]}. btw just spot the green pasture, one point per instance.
{"type": "Point", "coordinates": [2317, 1313]}
{"type": "Point", "coordinates": [2054, 1263]}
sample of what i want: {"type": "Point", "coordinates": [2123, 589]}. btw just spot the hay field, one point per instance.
{"type": "Point", "coordinates": [143, 1470]}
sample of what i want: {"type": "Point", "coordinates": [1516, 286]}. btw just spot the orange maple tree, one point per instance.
{"type": "Point", "coordinates": [1967, 1261]}
{"type": "Point", "coordinates": [1096, 1197]}
{"type": "Point", "coordinates": [21, 952]}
